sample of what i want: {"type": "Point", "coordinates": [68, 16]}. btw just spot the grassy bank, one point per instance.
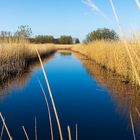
{"type": "Point", "coordinates": [112, 55]}
{"type": "Point", "coordinates": [16, 55]}
{"type": "Point", "coordinates": [120, 92]}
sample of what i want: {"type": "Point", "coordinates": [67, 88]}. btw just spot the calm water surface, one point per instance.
{"type": "Point", "coordinates": [79, 97]}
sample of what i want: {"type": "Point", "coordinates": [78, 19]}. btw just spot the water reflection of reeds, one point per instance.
{"type": "Point", "coordinates": [19, 81]}
{"type": "Point", "coordinates": [126, 96]}
{"type": "Point", "coordinates": [65, 53]}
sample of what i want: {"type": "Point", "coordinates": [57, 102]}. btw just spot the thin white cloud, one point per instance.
{"type": "Point", "coordinates": [138, 3]}
{"type": "Point", "coordinates": [90, 4]}
{"type": "Point", "coordinates": [95, 8]}
{"type": "Point", "coordinates": [117, 18]}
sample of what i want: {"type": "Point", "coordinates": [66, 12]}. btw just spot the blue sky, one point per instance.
{"type": "Point", "coordinates": [70, 17]}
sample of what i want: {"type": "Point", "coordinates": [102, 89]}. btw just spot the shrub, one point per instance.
{"type": "Point", "coordinates": [66, 40]}
{"type": "Point", "coordinates": [101, 34]}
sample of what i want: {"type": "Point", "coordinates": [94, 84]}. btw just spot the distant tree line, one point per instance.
{"type": "Point", "coordinates": [42, 39]}
{"type": "Point", "coordinates": [101, 34]}
{"type": "Point", "coordinates": [25, 32]}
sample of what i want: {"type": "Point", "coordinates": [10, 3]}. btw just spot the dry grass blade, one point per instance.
{"type": "Point", "coordinates": [116, 16]}
{"type": "Point", "coordinates": [76, 132]}
{"type": "Point", "coordinates": [138, 112]}
{"type": "Point", "coordinates": [132, 126]}
{"type": "Point", "coordinates": [51, 128]}
{"type": "Point", "coordinates": [137, 57]}
{"type": "Point", "coordinates": [69, 133]}
{"type": "Point", "coordinates": [5, 126]}
{"type": "Point", "coordinates": [35, 129]}
{"type": "Point", "coordinates": [25, 132]}
{"type": "Point", "coordinates": [138, 3]}
{"type": "Point", "coordinates": [125, 42]}
{"type": "Point", "coordinates": [52, 100]}
{"type": "Point", "coordinates": [2, 132]}
{"type": "Point", "coordinates": [132, 62]}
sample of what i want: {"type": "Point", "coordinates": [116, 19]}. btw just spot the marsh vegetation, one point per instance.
{"type": "Point", "coordinates": [109, 66]}
{"type": "Point", "coordinates": [16, 54]}
{"type": "Point", "coordinates": [113, 56]}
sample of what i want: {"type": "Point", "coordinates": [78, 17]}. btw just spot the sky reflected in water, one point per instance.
{"type": "Point", "coordinates": [79, 98]}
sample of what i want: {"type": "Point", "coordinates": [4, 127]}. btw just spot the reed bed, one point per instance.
{"type": "Point", "coordinates": [112, 55]}
{"type": "Point", "coordinates": [43, 49]}
{"type": "Point", "coordinates": [16, 54]}
{"type": "Point", "coordinates": [12, 58]}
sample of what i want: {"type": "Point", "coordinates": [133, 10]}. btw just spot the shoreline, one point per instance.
{"type": "Point", "coordinates": [78, 49]}
{"type": "Point", "coordinates": [15, 67]}
{"type": "Point", "coordinates": [46, 50]}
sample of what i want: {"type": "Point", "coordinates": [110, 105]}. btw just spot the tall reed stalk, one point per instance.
{"type": "Point", "coordinates": [132, 126]}
{"type": "Point", "coordinates": [49, 113]}
{"type": "Point", "coordinates": [50, 93]}
{"type": "Point", "coordinates": [76, 132]}
{"type": "Point", "coordinates": [125, 42]}
{"type": "Point", "coordinates": [7, 130]}
{"type": "Point", "coordinates": [2, 129]}
{"type": "Point", "coordinates": [69, 133]}
{"type": "Point", "coordinates": [36, 129]}
{"type": "Point", "coordinates": [25, 132]}
{"type": "Point", "coordinates": [138, 112]}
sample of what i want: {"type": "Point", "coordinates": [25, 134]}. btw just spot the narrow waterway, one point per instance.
{"type": "Point", "coordinates": [84, 95]}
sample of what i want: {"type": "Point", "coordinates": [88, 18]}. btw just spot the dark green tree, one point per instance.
{"type": "Point", "coordinates": [101, 34]}
{"type": "Point", "coordinates": [44, 39]}
{"type": "Point", "coordinates": [66, 40]}
{"type": "Point", "coordinates": [50, 39]}
{"type": "Point", "coordinates": [77, 41]}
